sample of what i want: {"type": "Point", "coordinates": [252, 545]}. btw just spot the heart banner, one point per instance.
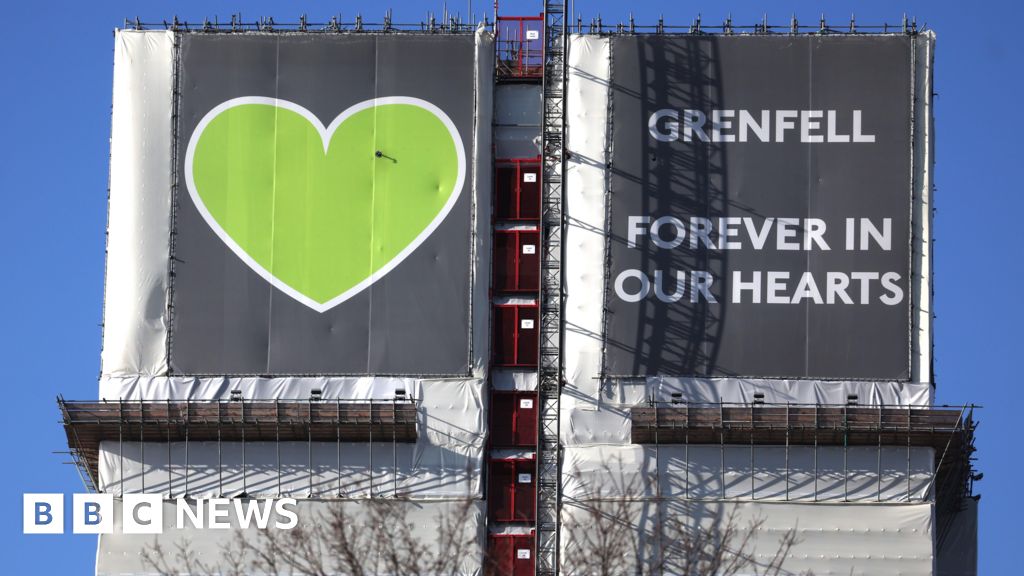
{"type": "Point", "coordinates": [322, 212]}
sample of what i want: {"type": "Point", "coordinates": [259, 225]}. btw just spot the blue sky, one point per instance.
{"type": "Point", "coordinates": [57, 61]}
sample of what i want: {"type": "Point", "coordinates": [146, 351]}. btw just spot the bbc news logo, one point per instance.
{"type": "Point", "coordinates": [144, 513]}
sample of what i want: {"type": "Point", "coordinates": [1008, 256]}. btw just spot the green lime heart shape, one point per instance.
{"type": "Point", "coordinates": [323, 212]}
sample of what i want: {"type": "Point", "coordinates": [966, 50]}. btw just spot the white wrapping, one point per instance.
{"type": "Point", "coordinates": [832, 539]}
{"type": "Point", "coordinates": [792, 391]}
{"type": "Point", "coordinates": [138, 228]}
{"type": "Point", "coordinates": [518, 105]}
{"type": "Point", "coordinates": [857, 474]}
{"type": "Point", "coordinates": [254, 387]}
{"type": "Point", "coordinates": [120, 553]}
{"type": "Point", "coordinates": [921, 261]}
{"type": "Point", "coordinates": [444, 462]}
{"type": "Point", "coordinates": [482, 187]}
{"type": "Point", "coordinates": [587, 96]}
{"type": "Point", "coordinates": [513, 379]}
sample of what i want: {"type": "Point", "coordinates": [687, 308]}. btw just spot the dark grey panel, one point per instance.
{"type": "Point", "coordinates": [227, 319]}
{"type": "Point", "coordinates": [759, 180]}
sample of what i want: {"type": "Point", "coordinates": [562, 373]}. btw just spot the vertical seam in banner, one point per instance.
{"type": "Point", "coordinates": [172, 231]}
{"type": "Point", "coordinates": [373, 211]}
{"type": "Point", "coordinates": [811, 40]}
{"type": "Point", "coordinates": [606, 263]}
{"type": "Point", "coordinates": [473, 223]}
{"type": "Point", "coordinates": [273, 199]}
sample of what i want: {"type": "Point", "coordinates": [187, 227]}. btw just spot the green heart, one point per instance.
{"type": "Point", "coordinates": [322, 213]}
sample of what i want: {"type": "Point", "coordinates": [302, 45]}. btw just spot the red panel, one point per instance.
{"type": "Point", "coordinates": [506, 261]}
{"type": "Point", "coordinates": [501, 490]}
{"type": "Point", "coordinates": [528, 343]}
{"type": "Point", "coordinates": [506, 193]}
{"type": "Point", "coordinates": [528, 261]}
{"type": "Point", "coordinates": [524, 507]}
{"type": "Point", "coordinates": [511, 490]}
{"type": "Point", "coordinates": [510, 555]}
{"type": "Point", "coordinates": [504, 344]}
{"type": "Point", "coordinates": [516, 260]}
{"type": "Point", "coordinates": [502, 417]}
{"type": "Point", "coordinates": [515, 341]}
{"type": "Point", "coordinates": [513, 419]}
{"type": "Point", "coordinates": [517, 188]}
{"type": "Point", "coordinates": [526, 419]}
{"type": "Point", "coordinates": [529, 191]}
{"type": "Point", "coordinates": [500, 554]}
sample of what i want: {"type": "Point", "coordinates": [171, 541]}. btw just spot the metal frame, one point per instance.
{"type": "Point", "coordinates": [87, 424]}
{"type": "Point", "coordinates": [947, 429]}
{"type": "Point", "coordinates": [552, 288]}
{"type": "Point", "coordinates": [448, 23]}
{"type": "Point", "coordinates": [517, 58]}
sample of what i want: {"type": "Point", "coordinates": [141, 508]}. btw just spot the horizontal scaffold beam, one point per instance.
{"type": "Point", "coordinates": [800, 425]}
{"type": "Point", "coordinates": [88, 423]}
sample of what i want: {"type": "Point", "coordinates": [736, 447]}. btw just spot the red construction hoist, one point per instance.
{"type": "Point", "coordinates": [516, 322]}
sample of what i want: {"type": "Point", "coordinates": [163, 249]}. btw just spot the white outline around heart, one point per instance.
{"type": "Point", "coordinates": [325, 134]}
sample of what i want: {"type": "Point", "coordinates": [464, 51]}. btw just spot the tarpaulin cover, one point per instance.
{"type": "Point", "coordinates": [324, 206]}
{"type": "Point", "coordinates": [710, 472]}
{"type": "Point", "coordinates": [957, 553]}
{"type": "Point", "coordinates": [122, 553]}
{"type": "Point", "coordinates": [138, 228]}
{"type": "Point", "coordinates": [832, 539]}
{"type": "Point", "coordinates": [444, 462]}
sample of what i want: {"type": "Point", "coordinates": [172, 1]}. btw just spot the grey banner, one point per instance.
{"type": "Point", "coordinates": [760, 207]}
{"type": "Point", "coordinates": [415, 320]}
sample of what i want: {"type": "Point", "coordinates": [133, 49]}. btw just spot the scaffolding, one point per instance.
{"type": "Point", "coordinates": [949, 430]}
{"type": "Point", "coordinates": [519, 47]}
{"type": "Point", "coordinates": [445, 23]}
{"type": "Point", "coordinates": [88, 424]}
{"type": "Point", "coordinates": [552, 286]}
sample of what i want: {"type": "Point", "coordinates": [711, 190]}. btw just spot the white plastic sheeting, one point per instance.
{"type": "Point", "coordinates": [923, 163]}
{"type": "Point", "coordinates": [138, 235]}
{"type": "Point", "coordinates": [832, 539]}
{"type": "Point", "coordinates": [120, 553]}
{"type": "Point", "coordinates": [260, 388]}
{"type": "Point", "coordinates": [711, 472]}
{"type": "Point", "coordinates": [517, 120]}
{"type": "Point", "coordinates": [793, 391]}
{"type": "Point", "coordinates": [482, 193]}
{"type": "Point", "coordinates": [444, 462]}
{"type": "Point", "coordinates": [587, 96]}
{"type": "Point", "coordinates": [513, 380]}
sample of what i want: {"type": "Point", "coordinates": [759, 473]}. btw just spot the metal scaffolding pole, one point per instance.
{"type": "Point", "coordinates": [552, 293]}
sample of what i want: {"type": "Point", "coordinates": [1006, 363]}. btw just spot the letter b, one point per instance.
{"type": "Point", "coordinates": [93, 514]}
{"type": "Point", "coordinates": [43, 514]}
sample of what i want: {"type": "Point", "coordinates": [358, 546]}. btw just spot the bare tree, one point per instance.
{"type": "Point", "coordinates": [619, 531]}
{"type": "Point", "coordinates": [381, 540]}
{"type": "Point", "coordinates": [626, 533]}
